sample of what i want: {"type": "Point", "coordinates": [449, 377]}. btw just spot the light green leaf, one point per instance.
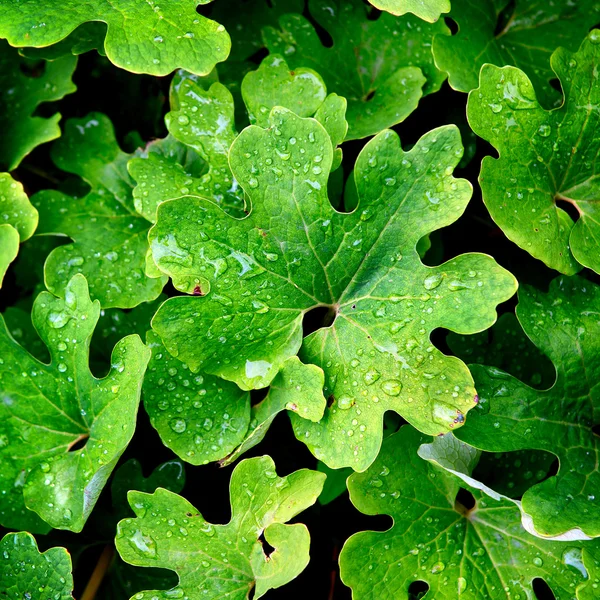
{"type": "Point", "coordinates": [110, 238]}
{"type": "Point", "coordinates": [563, 324]}
{"type": "Point", "coordinates": [21, 94]}
{"type": "Point", "coordinates": [523, 34]}
{"type": "Point", "coordinates": [25, 572]}
{"type": "Point", "coordinates": [294, 252]}
{"type": "Point", "coordinates": [142, 37]}
{"type": "Point", "coordinates": [545, 156]}
{"type": "Point", "coordinates": [199, 417]}
{"type": "Point", "coordinates": [460, 552]}
{"type": "Point", "coordinates": [429, 10]}
{"type": "Point", "coordinates": [297, 388]}
{"type": "Point", "coordinates": [302, 91]}
{"type": "Point", "coordinates": [224, 560]}
{"type": "Point", "coordinates": [47, 410]}
{"type": "Point", "coordinates": [381, 67]}
{"type": "Point", "coordinates": [201, 125]}
{"type": "Point", "coordinates": [506, 347]}
{"type": "Point", "coordinates": [18, 220]}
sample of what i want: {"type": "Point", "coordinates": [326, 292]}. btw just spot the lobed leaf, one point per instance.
{"type": "Point", "coordinates": [48, 409]}
{"type": "Point", "coordinates": [224, 560]}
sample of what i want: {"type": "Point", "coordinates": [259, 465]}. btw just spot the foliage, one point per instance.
{"type": "Point", "coordinates": [306, 251]}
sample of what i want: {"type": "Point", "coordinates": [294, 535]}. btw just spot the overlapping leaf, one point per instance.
{"type": "Point", "coordinates": [224, 560]}
{"type": "Point", "coordinates": [381, 67]}
{"type": "Point", "coordinates": [27, 573]}
{"type": "Point", "coordinates": [460, 552]}
{"type": "Point", "coordinates": [523, 34]}
{"type": "Point", "coordinates": [545, 157]}
{"type": "Point", "coordinates": [21, 93]}
{"type": "Point", "coordinates": [565, 324]}
{"type": "Point", "coordinates": [143, 37]}
{"type": "Point", "coordinates": [47, 410]}
{"type": "Point", "coordinates": [430, 10]}
{"type": "Point", "coordinates": [18, 220]}
{"type": "Point", "coordinates": [110, 237]}
{"type": "Point", "coordinates": [294, 252]}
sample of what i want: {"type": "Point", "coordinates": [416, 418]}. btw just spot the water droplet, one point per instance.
{"type": "Point", "coordinates": [183, 119]}
{"type": "Point", "coordinates": [432, 281]}
{"type": "Point", "coordinates": [537, 561]}
{"type": "Point", "coordinates": [438, 567]}
{"type": "Point", "coordinates": [45, 467]}
{"type": "Point", "coordinates": [178, 425]}
{"type": "Point", "coordinates": [462, 584]}
{"type": "Point", "coordinates": [58, 320]}
{"type": "Point", "coordinates": [391, 387]}
{"type": "Point", "coordinates": [371, 376]}
{"type": "Point", "coordinates": [345, 402]}
{"type": "Point", "coordinates": [496, 108]}
{"type": "Point", "coordinates": [61, 367]}
{"type": "Point", "coordinates": [544, 130]}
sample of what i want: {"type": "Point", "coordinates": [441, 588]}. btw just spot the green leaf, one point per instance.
{"type": "Point", "coordinates": [545, 156]}
{"type": "Point", "coordinates": [201, 127]}
{"type": "Point", "coordinates": [381, 67]}
{"type": "Point", "coordinates": [460, 552]}
{"type": "Point", "coordinates": [224, 560]}
{"type": "Point", "coordinates": [21, 94]}
{"type": "Point", "coordinates": [110, 237]}
{"type": "Point", "coordinates": [142, 37]}
{"type": "Point", "coordinates": [429, 10]}
{"type": "Point", "coordinates": [302, 91]}
{"type": "Point", "coordinates": [523, 34]}
{"type": "Point", "coordinates": [506, 347]}
{"type": "Point", "coordinates": [200, 417]}
{"type": "Point", "coordinates": [335, 484]}
{"type": "Point", "coordinates": [19, 220]}
{"type": "Point", "coordinates": [563, 324]}
{"type": "Point", "coordinates": [294, 252]}
{"type": "Point", "coordinates": [297, 388]}
{"type": "Point", "coordinates": [25, 572]}
{"type": "Point", "coordinates": [49, 409]}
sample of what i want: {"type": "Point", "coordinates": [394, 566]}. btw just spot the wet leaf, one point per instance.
{"type": "Point", "coordinates": [48, 410]}
{"type": "Point", "coordinates": [294, 252]}
{"type": "Point", "coordinates": [224, 560]}
{"type": "Point", "coordinates": [545, 157]}
{"type": "Point", "coordinates": [110, 237]}
{"type": "Point", "coordinates": [521, 33]}
{"type": "Point", "coordinates": [563, 324]}
{"type": "Point", "coordinates": [142, 37]}
{"type": "Point", "coordinates": [24, 85]}
{"type": "Point", "coordinates": [26, 573]}
{"type": "Point", "coordinates": [18, 220]}
{"type": "Point", "coordinates": [459, 551]}
{"type": "Point", "coordinates": [429, 10]}
{"type": "Point", "coordinates": [381, 67]}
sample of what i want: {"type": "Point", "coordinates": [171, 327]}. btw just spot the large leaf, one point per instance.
{"type": "Point", "coordinates": [545, 156]}
{"type": "Point", "coordinates": [430, 10]}
{"type": "Point", "coordinates": [523, 33]}
{"type": "Point", "coordinates": [260, 276]}
{"type": "Point", "coordinates": [506, 347]}
{"type": "Point", "coordinates": [27, 573]}
{"type": "Point", "coordinates": [48, 410]}
{"type": "Point", "coordinates": [460, 552]}
{"type": "Point", "coordinates": [20, 94]}
{"type": "Point", "coordinates": [142, 37]}
{"type": "Point", "coordinates": [18, 220]}
{"type": "Point", "coordinates": [563, 324]}
{"type": "Point", "coordinates": [224, 560]}
{"type": "Point", "coordinates": [381, 67]}
{"type": "Point", "coordinates": [110, 237]}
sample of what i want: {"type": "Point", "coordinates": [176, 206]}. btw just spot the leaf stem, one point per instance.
{"type": "Point", "coordinates": [99, 572]}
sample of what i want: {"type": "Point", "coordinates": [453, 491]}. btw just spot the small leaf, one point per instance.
{"type": "Point", "coordinates": [382, 82]}
{"type": "Point", "coordinates": [46, 410]}
{"type": "Point", "coordinates": [21, 94]}
{"type": "Point", "coordinates": [142, 37]}
{"type": "Point", "coordinates": [224, 560]}
{"type": "Point", "coordinates": [563, 324]}
{"type": "Point", "coordinates": [545, 156]}
{"type": "Point", "coordinates": [110, 243]}
{"type": "Point", "coordinates": [459, 551]}
{"type": "Point", "coordinates": [26, 573]}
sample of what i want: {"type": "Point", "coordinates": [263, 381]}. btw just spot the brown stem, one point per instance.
{"type": "Point", "coordinates": [99, 572]}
